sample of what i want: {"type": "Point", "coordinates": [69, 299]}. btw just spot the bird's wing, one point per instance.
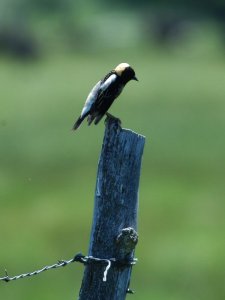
{"type": "Point", "coordinates": [104, 88]}
{"type": "Point", "coordinates": [91, 99]}
{"type": "Point", "coordinates": [97, 94]}
{"type": "Point", "coordinates": [108, 82]}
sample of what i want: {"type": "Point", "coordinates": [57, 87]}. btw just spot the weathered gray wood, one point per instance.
{"type": "Point", "coordinates": [115, 213]}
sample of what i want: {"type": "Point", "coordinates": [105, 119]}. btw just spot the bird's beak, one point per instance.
{"type": "Point", "coordinates": [135, 78]}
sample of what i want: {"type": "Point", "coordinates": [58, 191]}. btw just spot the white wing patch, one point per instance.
{"type": "Point", "coordinates": [90, 99]}
{"type": "Point", "coordinates": [109, 81]}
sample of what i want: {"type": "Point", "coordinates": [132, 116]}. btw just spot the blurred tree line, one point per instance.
{"type": "Point", "coordinates": [23, 23]}
{"type": "Point", "coordinates": [167, 20]}
{"type": "Point", "coordinates": [214, 9]}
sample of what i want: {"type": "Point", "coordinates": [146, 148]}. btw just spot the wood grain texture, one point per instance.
{"type": "Point", "coordinates": [115, 213]}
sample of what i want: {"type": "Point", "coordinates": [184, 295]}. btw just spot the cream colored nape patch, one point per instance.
{"type": "Point", "coordinates": [120, 68]}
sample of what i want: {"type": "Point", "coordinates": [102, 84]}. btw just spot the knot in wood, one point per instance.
{"type": "Point", "coordinates": [127, 240]}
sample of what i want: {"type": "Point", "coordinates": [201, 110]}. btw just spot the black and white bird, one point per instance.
{"type": "Point", "coordinates": [104, 93]}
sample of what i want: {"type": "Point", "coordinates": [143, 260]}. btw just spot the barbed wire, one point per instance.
{"type": "Point", "coordinates": [77, 258]}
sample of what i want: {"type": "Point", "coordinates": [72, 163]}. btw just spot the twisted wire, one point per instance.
{"type": "Point", "coordinates": [77, 258]}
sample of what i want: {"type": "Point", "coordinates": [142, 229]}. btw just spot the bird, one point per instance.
{"type": "Point", "coordinates": [104, 93]}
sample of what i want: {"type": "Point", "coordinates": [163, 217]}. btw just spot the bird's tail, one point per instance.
{"type": "Point", "coordinates": [78, 122]}
{"type": "Point", "coordinates": [98, 118]}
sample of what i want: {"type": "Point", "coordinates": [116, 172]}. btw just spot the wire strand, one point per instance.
{"type": "Point", "coordinates": [77, 258]}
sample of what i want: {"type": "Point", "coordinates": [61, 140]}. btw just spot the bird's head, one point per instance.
{"type": "Point", "coordinates": [126, 73]}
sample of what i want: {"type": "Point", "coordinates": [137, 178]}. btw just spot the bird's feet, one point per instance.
{"type": "Point", "coordinates": [109, 116]}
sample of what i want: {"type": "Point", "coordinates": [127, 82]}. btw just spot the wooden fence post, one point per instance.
{"type": "Point", "coordinates": [115, 214]}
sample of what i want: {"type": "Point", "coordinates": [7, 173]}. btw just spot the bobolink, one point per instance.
{"type": "Point", "coordinates": [104, 93]}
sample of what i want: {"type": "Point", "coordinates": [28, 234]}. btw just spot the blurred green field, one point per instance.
{"type": "Point", "coordinates": [47, 172]}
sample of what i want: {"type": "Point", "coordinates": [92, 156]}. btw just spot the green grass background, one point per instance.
{"type": "Point", "coordinates": [47, 172]}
